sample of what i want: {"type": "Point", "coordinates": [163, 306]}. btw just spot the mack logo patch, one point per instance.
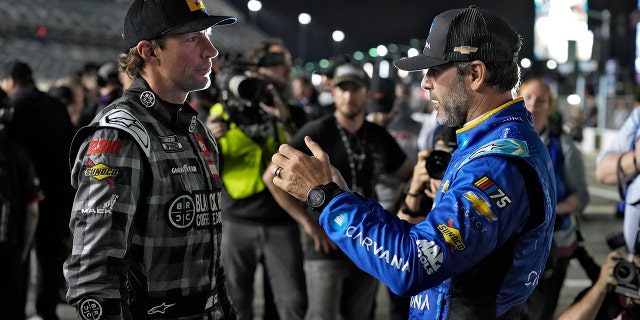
{"type": "Point", "coordinates": [104, 146]}
{"type": "Point", "coordinates": [495, 193]}
{"type": "Point", "coordinates": [107, 207]}
{"type": "Point", "coordinates": [171, 144]}
{"type": "Point", "coordinates": [90, 309]}
{"type": "Point", "coordinates": [430, 254]}
{"type": "Point", "coordinates": [451, 236]}
{"type": "Point", "coordinates": [101, 172]}
{"type": "Point", "coordinates": [200, 208]}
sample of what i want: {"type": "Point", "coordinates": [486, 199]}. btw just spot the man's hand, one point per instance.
{"type": "Point", "coordinates": [217, 126]}
{"type": "Point", "coordinates": [301, 172]}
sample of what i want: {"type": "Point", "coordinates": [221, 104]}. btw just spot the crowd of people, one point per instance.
{"type": "Point", "coordinates": [188, 174]}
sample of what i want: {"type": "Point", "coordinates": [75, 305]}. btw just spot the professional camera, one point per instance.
{"type": "Point", "coordinates": [437, 163]}
{"type": "Point", "coordinates": [626, 275]}
{"type": "Point", "coordinates": [239, 83]}
{"type": "Point", "coordinates": [625, 272]}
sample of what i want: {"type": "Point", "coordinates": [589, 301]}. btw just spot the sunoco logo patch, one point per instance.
{"type": "Point", "coordinates": [101, 172]}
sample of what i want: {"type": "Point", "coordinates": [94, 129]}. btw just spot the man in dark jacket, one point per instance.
{"type": "Point", "coordinates": [41, 125]}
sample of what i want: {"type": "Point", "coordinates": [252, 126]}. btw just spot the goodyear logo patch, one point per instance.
{"type": "Point", "coordinates": [101, 172]}
{"type": "Point", "coordinates": [493, 191]}
{"type": "Point", "coordinates": [451, 236]}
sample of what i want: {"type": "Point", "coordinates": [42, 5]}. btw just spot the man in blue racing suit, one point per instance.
{"type": "Point", "coordinates": [482, 247]}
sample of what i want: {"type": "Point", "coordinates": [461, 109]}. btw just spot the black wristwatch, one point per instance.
{"type": "Point", "coordinates": [319, 196]}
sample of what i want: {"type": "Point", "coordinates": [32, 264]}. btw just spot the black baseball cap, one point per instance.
{"type": "Point", "coordinates": [463, 35]}
{"type": "Point", "coordinates": [384, 95]}
{"type": "Point", "coordinates": [350, 72]}
{"type": "Point", "coordinates": [149, 19]}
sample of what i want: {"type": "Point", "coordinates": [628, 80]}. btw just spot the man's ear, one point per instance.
{"type": "Point", "coordinates": [147, 50]}
{"type": "Point", "coordinates": [479, 73]}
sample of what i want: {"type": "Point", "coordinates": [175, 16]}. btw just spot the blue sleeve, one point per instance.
{"type": "Point", "coordinates": [475, 212]}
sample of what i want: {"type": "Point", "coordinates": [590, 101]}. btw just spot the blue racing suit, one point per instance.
{"type": "Point", "coordinates": [483, 246]}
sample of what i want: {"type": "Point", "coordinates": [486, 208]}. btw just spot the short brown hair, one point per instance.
{"type": "Point", "coordinates": [132, 63]}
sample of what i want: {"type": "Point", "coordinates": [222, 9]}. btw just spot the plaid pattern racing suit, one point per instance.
{"type": "Point", "coordinates": [146, 218]}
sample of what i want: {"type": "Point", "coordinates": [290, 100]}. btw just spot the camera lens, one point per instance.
{"type": "Point", "coordinates": [437, 163]}
{"type": "Point", "coordinates": [624, 272]}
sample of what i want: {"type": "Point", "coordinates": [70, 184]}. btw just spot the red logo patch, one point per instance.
{"type": "Point", "coordinates": [104, 146]}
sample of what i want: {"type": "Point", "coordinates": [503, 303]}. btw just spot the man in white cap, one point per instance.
{"type": "Point", "coordinates": [483, 245]}
{"type": "Point", "coordinates": [146, 217]}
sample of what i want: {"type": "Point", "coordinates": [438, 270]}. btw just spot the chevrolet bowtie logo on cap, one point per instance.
{"type": "Point", "coordinates": [465, 49]}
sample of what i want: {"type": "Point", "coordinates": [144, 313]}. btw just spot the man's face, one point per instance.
{"type": "Point", "coordinates": [537, 100]}
{"type": "Point", "coordinates": [279, 73]}
{"type": "Point", "coordinates": [448, 90]}
{"type": "Point", "coordinates": [350, 99]}
{"type": "Point", "coordinates": [186, 60]}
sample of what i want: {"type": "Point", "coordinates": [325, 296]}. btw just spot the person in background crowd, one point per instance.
{"type": "Point", "coordinates": [483, 246]}
{"type": "Point", "coordinates": [385, 111]}
{"type": "Point", "coordinates": [202, 101]}
{"type": "Point", "coordinates": [19, 196]}
{"type": "Point", "coordinates": [79, 101]}
{"type": "Point", "coordinates": [256, 230]}
{"type": "Point", "coordinates": [88, 76]}
{"type": "Point", "coordinates": [146, 218]}
{"type": "Point", "coordinates": [306, 97]}
{"type": "Point", "coordinates": [600, 301]}
{"type": "Point", "coordinates": [41, 125]}
{"type": "Point", "coordinates": [110, 86]}
{"type": "Point", "coordinates": [619, 164]}
{"type": "Point", "coordinates": [572, 194]}
{"type": "Point", "coordinates": [362, 151]}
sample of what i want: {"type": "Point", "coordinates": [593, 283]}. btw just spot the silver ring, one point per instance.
{"type": "Point", "coordinates": [277, 171]}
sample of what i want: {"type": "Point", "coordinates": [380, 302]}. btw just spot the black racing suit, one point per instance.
{"type": "Point", "coordinates": [146, 218]}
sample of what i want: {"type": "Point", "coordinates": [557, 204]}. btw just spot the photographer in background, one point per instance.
{"type": "Point", "coordinates": [600, 301]}
{"type": "Point", "coordinates": [250, 122]}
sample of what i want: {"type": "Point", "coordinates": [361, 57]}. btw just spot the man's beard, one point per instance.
{"type": "Point", "coordinates": [455, 104]}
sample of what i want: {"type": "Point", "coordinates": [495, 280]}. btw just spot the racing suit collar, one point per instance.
{"type": "Point", "coordinates": [181, 117]}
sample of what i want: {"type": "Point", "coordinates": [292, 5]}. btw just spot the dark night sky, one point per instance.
{"type": "Point", "coordinates": [368, 23]}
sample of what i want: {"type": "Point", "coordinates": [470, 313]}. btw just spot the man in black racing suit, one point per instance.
{"type": "Point", "coordinates": [146, 217]}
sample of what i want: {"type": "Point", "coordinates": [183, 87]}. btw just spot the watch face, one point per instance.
{"type": "Point", "coordinates": [315, 197]}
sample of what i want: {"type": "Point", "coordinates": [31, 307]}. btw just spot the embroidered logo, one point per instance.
{"type": "Point", "coordinates": [90, 309]}
{"type": "Point", "coordinates": [161, 308]}
{"type": "Point", "coordinates": [148, 99]}
{"type": "Point", "coordinates": [493, 191]}
{"type": "Point", "coordinates": [101, 172]}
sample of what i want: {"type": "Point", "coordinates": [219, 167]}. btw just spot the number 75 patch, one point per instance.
{"type": "Point", "coordinates": [493, 191]}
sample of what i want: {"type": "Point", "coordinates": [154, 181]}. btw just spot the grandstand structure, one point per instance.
{"type": "Point", "coordinates": [58, 37]}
